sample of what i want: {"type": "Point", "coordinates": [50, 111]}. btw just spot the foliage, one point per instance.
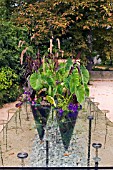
{"type": "Point", "coordinates": [71, 21]}
{"type": "Point", "coordinates": [9, 87]}
{"type": "Point", "coordinates": [9, 53]}
{"type": "Point", "coordinates": [9, 6]}
{"type": "Point", "coordinates": [63, 83]}
{"type": "Point", "coordinates": [9, 49]}
{"type": "Point", "coordinates": [103, 43]}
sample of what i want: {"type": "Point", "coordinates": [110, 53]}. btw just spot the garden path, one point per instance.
{"type": "Point", "coordinates": [4, 112]}
{"type": "Point", "coordinates": [102, 91]}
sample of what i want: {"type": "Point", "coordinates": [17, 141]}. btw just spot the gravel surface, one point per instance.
{"type": "Point", "coordinates": [76, 154]}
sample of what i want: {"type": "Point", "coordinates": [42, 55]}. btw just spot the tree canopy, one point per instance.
{"type": "Point", "coordinates": [71, 21]}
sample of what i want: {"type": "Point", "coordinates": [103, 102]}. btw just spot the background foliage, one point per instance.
{"type": "Point", "coordinates": [76, 23]}
{"type": "Point", "coordinates": [9, 86]}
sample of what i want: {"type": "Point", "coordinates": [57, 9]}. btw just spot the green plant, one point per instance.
{"type": "Point", "coordinates": [9, 88]}
{"type": "Point", "coordinates": [64, 86]}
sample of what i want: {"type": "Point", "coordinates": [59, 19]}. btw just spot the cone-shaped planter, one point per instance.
{"type": "Point", "coordinates": [41, 114]}
{"type": "Point", "coordinates": [66, 127]}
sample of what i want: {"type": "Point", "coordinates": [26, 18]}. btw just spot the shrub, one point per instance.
{"type": "Point", "coordinates": [9, 87]}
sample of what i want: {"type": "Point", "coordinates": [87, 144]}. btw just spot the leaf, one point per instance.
{"type": "Point", "coordinates": [60, 89]}
{"type": "Point", "coordinates": [51, 100]}
{"type": "Point", "coordinates": [69, 64]}
{"type": "Point", "coordinates": [72, 88]}
{"type": "Point", "coordinates": [85, 74]}
{"type": "Point", "coordinates": [49, 90]}
{"type": "Point", "coordinates": [66, 82]}
{"type": "Point", "coordinates": [86, 90]}
{"type": "Point", "coordinates": [80, 93]}
{"type": "Point", "coordinates": [50, 80]}
{"type": "Point", "coordinates": [74, 78]}
{"type": "Point", "coordinates": [35, 81]}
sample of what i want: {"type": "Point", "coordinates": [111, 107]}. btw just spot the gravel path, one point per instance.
{"type": "Point", "coordinates": [76, 154]}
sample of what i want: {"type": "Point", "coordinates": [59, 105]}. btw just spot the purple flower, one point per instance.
{"type": "Point", "coordinates": [57, 82]}
{"type": "Point", "coordinates": [70, 106]}
{"type": "Point", "coordinates": [29, 99]}
{"type": "Point", "coordinates": [19, 104]}
{"type": "Point", "coordinates": [33, 103]}
{"type": "Point", "coordinates": [25, 92]}
{"type": "Point", "coordinates": [61, 112]}
{"type": "Point", "coordinates": [28, 93]}
{"type": "Point", "coordinates": [75, 108]}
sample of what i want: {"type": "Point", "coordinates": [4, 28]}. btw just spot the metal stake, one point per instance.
{"type": "Point", "coordinates": [96, 158]}
{"type": "Point", "coordinates": [16, 121]}
{"type": "Point", "coordinates": [96, 113]}
{"type": "Point", "coordinates": [27, 111]}
{"type": "Point", "coordinates": [6, 134]}
{"type": "Point", "coordinates": [89, 105]}
{"type": "Point", "coordinates": [47, 153]}
{"type": "Point", "coordinates": [47, 148]}
{"type": "Point", "coordinates": [1, 155]}
{"type": "Point", "coordinates": [20, 117]}
{"type": "Point", "coordinates": [92, 103]}
{"type": "Point", "coordinates": [105, 111]}
{"type": "Point", "coordinates": [22, 156]}
{"type": "Point", "coordinates": [89, 139]}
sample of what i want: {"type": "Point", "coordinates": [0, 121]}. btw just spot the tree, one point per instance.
{"type": "Point", "coordinates": [73, 22]}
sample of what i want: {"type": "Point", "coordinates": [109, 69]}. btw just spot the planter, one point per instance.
{"type": "Point", "coordinates": [66, 126]}
{"type": "Point", "coordinates": [40, 114]}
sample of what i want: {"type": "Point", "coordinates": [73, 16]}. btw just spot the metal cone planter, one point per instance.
{"type": "Point", "coordinates": [66, 127]}
{"type": "Point", "coordinates": [40, 114]}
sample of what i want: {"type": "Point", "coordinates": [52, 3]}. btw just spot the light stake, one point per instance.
{"type": "Point", "coordinates": [90, 118]}
{"type": "Point", "coordinates": [96, 113]}
{"type": "Point", "coordinates": [105, 111]}
{"type": "Point", "coordinates": [22, 156]}
{"type": "Point", "coordinates": [1, 154]}
{"type": "Point", "coordinates": [96, 158]}
{"type": "Point", "coordinates": [47, 148]}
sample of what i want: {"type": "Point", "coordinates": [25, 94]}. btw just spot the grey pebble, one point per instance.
{"type": "Point", "coordinates": [77, 154]}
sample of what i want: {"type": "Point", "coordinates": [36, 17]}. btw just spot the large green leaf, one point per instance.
{"type": "Point", "coordinates": [66, 82]}
{"type": "Point", "coordinates": [80, 93]}
{"type": "Point", "coordinates": [74, 78]}
{"type": "Point", "coordinates": [85, 74]}
{"type": "Point", "coordinates": [72, 88]}
{"type": "Point", "coordinates": [69, 64]}
{"type": "Point", "coordinates": [49, 90]}
{"type": "Point", "coordinates": [60, 89]}
{"type": "Point", "coordinates": [86, 90]}
{"type": "Point", "coordinates": [49, 80]}
{"type": "Point", "coordinates": [36, 81]}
